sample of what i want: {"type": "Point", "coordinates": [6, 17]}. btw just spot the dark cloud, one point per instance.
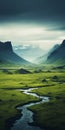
{"type": "Point", "coordinates": [40, 10]}
{"type": "Point", "coordinates": [46, 7]}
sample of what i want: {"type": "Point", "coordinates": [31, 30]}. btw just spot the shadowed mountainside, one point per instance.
{"type": "Point", "coordinates": [7, 54]}
{"type": "Point", "coordinates": [58, 55]}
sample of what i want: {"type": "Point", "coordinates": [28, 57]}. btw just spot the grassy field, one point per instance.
{"type": "Point", "coordinates": [50, 115]}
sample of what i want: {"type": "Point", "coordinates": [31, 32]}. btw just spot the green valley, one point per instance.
{"type": "Point", "coordinates": [50, 83]}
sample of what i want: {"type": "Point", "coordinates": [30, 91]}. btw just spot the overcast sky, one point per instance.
{"type": "Point", "coordinates": [40, 22]}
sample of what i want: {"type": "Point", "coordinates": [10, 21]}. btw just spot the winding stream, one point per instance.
{"type": "Point", "coordinates": [27, 115]}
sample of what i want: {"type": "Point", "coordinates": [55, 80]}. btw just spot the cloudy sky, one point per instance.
{"type": "Point", "coordinates": [37, 22]}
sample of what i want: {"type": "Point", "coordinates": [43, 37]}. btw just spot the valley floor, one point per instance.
{"type": "Point", "coordinates": [50, 115]}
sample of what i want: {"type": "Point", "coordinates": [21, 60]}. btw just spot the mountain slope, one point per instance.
{"type": "Point", "coordinates": [8, 56]}
{"type": "Point", "coordinates": [44, 57]}
{"type": "Point", "coordinates": [58, 55]}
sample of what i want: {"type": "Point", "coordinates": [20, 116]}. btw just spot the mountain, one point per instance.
{"type": "Point", "coordinates": [7, 54]}
{"type": "Point", "coordinates": [57, 55]}
{"type": "Point", "coordinates": [41, 59]}
{"type": "Point", "coordinates": [28, 52]}
{"type": "Point", "coordinates": [56, 46]}
{"type": "Point", "coordinates": [44, 57]}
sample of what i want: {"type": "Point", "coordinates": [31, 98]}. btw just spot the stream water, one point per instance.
{"type": "Point", "coordinates": [27, 115]}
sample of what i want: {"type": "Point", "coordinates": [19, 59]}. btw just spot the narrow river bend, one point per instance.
{"type": "Point", "coordinates": [27, 115]}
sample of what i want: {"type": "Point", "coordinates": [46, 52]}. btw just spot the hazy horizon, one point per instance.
{"type": "Point", "coordinates": [30, 34]}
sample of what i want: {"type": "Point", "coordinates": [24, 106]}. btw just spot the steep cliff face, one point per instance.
{"type": "Point", "coordinates": [6, 46]}
{"type": "Point", "coordinates": [8, 56]}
